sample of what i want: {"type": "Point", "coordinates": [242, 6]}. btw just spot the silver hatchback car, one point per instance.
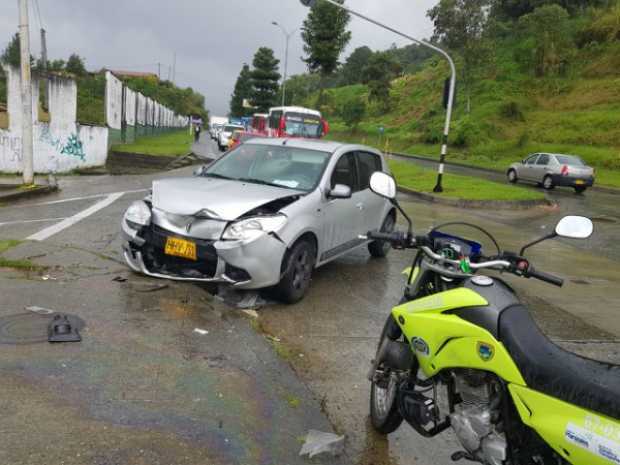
{"type": "Point", "coordinates": [265, 214]}
{"type": "Point", "coordinates": [553, 169]}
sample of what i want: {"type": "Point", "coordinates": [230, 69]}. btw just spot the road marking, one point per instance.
{"type": "Point", "coordinates": [42, 220]}
{"type": "Point", "coordinates": [86, 197]}
{"type": "Point", "coordinates": [68, 222]}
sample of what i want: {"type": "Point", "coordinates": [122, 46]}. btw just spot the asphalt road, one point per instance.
{"type": "Point", "coordinates": [145, 388]}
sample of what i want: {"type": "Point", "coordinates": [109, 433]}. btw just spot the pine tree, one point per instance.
{"type": "Point", "coordinates": [243, 90]}
{"type": "Point", "coordinates": [325, 35]}
{"type": "Point", "coordinates": [264, 78]}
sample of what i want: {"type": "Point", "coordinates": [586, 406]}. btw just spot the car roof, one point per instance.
{"type": "Point", "coordinates": [310, 144]}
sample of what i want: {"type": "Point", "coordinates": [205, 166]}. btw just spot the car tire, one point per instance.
{"type": "Point", "coordinates": [380, 249]}
{"type": "Point", "coordinates": [512, 176]}
{"type": "Point", "coordinates": [580, 190]}
{"type": "Point", "coordinates": [297, 267]}
{"type": "Point", "coordinates": [548, 183]}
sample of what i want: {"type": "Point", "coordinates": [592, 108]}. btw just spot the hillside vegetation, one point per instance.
{"type": "Point", "coordinates": [549, 93]}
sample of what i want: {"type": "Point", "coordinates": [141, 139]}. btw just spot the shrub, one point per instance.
{"type": "Point", "coordinates": [353, 112]}
{"type": "Point", "coordinates": [511, 110]}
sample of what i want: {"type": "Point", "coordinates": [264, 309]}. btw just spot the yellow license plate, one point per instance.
{"type": "Point", "coordinates": [180, 248]}
{"type": "Point", "coordinates": [579, 182]}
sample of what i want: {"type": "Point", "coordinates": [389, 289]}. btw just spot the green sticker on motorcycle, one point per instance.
{"type": "Point", "coordinates": [486, 351]}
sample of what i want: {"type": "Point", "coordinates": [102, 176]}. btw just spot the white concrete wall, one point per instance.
{"type": "Point", "coordinates": [113, 100]}
{"type": "Point", "coordinates": [130, 107]}
{"type": "Point", "coordinates": [59, 146]}
{"type": "Point", "coordinates": [141, 119]}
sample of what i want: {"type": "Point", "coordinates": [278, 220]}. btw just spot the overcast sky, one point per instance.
{"type": "Point", "coordinates": [212, 38]}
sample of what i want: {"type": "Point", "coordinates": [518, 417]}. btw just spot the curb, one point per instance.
{"type": "Point", "coordinates": [139, 163]}
{"type": "Point", "coordinates": [461, 203]}
{"type": "Point", "coordinates": [20, 194]}
{"type": "Point", "coordinates": [608, 190]}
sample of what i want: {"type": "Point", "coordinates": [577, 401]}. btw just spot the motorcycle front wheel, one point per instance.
{"type": "Point", "coordinates": [384, 414]}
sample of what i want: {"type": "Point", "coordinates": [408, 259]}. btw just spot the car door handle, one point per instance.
{"type": "Point", "coordinates": [359, 206]}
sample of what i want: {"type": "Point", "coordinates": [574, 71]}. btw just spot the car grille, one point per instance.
{"type": "Point", "coordinates": [157, 261]}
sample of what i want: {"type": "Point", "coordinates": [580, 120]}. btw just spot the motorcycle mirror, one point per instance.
{"type": "Point", "coordinates": [575, 227]}
{"type": "Point", "coordinates": [383, 184]}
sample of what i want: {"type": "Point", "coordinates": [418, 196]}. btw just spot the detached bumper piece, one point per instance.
{"type": "Point", "coordinates": [61, 329]}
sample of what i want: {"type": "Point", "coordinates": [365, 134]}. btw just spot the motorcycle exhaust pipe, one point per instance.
{"type": "Point", "coordinates": [395, 355]}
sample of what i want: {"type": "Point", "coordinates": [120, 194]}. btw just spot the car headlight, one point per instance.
{"type": "Point", "coordinates": [138, 214]}
{"type": "Point", "coordinates": [252, 228]}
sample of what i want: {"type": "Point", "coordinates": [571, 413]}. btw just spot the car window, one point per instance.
{"type": "Point", "coordinates": [345, 172]}
{"type": "Point", "coordinates": [569, 160]}
{"type": "Point", "coordinates": [283, 166]}
{"type": "Point", "coordinates": [531, 160]}
{"type": "Point", "coordinates": [543, 159]}
{"type": "Point", "coordinates": [367, 164]}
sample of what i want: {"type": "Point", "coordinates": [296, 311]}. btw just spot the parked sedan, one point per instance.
{"type": "Point", "coordinates": [265, 214]}
{"type": "Point", "coordinates": [553, 169]}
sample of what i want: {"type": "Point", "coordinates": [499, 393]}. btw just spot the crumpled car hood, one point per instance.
{"type": "Point", "coordinates": [226, 199]}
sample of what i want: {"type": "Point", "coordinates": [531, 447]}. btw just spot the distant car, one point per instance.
{"type": "Point", "coordinates": [553, 169]}
{"type": "Point", "coordinates": [224, 135]}
{"type": "Point", "coordinates": [265, 214]}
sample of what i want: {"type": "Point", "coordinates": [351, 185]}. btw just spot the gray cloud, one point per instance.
{"type": "Point", "coordinates": [212, 38]}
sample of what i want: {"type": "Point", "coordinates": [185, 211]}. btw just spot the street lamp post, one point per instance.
{"type": "Point", "coordinates": [446, 130]}
{"type": "Point", "coordinates": [288, 37]}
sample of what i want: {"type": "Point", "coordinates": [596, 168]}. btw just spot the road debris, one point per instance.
{"type": "Point", "coordinates": [318, 442]}
{"type": "Point", "coordinates": [202, 332]}
{"type": "Point", "coordinates": [40, 310]}
{"type": "Point", "coordinates": [119, 279]}
{"type": "Point", "coordinates": [149, 287]}
{"type": "Point", "coordinates": [60, 329]}
{"type": "Point", "coordinates": [251, 313]}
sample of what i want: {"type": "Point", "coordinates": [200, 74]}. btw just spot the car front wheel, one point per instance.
{"type": "Point", "coordinates": [380, 249]}
{"type": "Point", "coordinates": [297, 272]}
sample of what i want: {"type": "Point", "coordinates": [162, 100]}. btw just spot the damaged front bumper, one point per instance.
{"type": "Point", "coordinates": [252, 265]}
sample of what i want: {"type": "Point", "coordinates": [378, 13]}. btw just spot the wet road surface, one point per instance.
{"type": "Point", "coordinates": [144, 388]}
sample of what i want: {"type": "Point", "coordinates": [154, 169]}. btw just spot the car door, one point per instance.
{"type": "Point", "coordinates": [342, 218]}
{"type": "Point", "coordinates": [372, 205]}
{"type": "Point", "coordinates": [527, 170]}
{"type": "Point", "coordinates": [540, 168]}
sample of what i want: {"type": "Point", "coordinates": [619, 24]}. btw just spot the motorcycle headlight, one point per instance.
{"type": "Point", "coordinates": [138, 215]}
{"type": "Point", "coordinates": [252, 228]}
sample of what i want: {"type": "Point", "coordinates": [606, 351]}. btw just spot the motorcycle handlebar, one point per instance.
{"type": "Point", "coordinates": [395, 236]}
{"type": "Point", "coordinates": [546, 277]}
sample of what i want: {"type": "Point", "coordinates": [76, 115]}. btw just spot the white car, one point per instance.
{"type": "Point", "coordinates": [224, 135]}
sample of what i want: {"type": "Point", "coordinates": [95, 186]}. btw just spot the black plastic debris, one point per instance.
{"type": "Point", "coordinates": [60, 329]}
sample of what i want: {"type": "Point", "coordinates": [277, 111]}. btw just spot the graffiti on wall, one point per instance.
{"type": "Point", "coordinates": [72, 146]}
{"type": "Point", "coordinates": [13, 146]}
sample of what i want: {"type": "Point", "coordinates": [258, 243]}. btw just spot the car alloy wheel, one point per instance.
{"type": "Point", "coordinates": [548, 183]}
{"type": "Point", "coordinates": [512, 176]}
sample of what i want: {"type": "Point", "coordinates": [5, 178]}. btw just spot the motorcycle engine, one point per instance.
{"type": "Point", "coordinates": [476, 419]}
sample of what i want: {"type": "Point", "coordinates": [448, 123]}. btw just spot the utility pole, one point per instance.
{"type": "Point", "coordinates": [46, 97]}
{"type": "Point", "coordinates": [288, 38]}
{"type": "Point", "coordinates": [24, 46]}
{"type": "Point", "coordinates": [159, 71]}
{"type": "Point", "coordinates": [174, 67]}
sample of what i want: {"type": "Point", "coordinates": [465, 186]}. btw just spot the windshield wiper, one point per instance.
{"type": "Point", "coordinates": [264, 183]}
{"type": "Point", "coordinates": [216, 175]}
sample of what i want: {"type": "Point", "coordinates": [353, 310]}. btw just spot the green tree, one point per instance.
{"type": "Point", "coordinates": [378, 74]}
{"type": "Point", "coordinates": [264, 78]}
{"type": "Point", "coordinates": [75, 65]}
{"type": "Point", "coordinates": [11, 55]}
{"type": "Point", "coordinates": [325, 36]}
{"type": "Point", "coordinates": [548, 44]}
{"type": "Point", "coordinates": [353, 67]}
{"type": "Point", "coordinates": [299, 88]}
{"type": "Point", "coordinates": [353, 112]}
{"type": "Point", "coordinates": [242, 91]}
{"type": "Point", "coordinates": [460, 24]}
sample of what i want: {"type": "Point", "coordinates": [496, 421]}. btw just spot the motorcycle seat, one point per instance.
{"type": "Point", "coordinates": [549, 369]}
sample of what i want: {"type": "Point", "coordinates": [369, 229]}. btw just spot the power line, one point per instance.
{"type": "Point", "coordinates": [36, 2]}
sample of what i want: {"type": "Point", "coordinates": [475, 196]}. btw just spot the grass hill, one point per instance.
{"type": "Point", "coordinates": [513, 111]}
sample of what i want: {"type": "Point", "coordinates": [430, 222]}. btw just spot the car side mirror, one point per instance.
{"type": "Point", "coordinates": [383, 184]}
{"type": "Point", "coordinates": [340, 191]}
{"type": "Point", "coordinates": [200, 171]}
{"type": "Point", "coordinates": [575, 227]}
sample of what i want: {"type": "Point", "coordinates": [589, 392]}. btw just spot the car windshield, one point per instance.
{"type": "Point", "coordinates": [300, 125]}
{"type": "Point", "coordinates": [570, 160]}
{"type": "Point", "coordinates": [232, 128]}
{"type": "Point", "coordinates": [281, 166]}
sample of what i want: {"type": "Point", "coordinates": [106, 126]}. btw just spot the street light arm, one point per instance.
{"type": "Point", "coordinates": [438, 187]}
